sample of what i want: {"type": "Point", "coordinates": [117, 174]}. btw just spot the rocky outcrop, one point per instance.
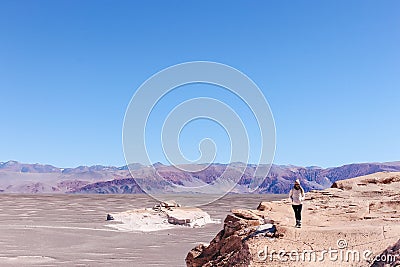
{"type": "Point", "coordinates": [191, 217]}
{"type": "Point", "coordinates": [264, 206]}
{"type": "Point", "coordinates": [357, 219]}
{"type": "Point", "coordinates": [164, 215]}
{"type": "Point", "coordinates": [229, 247]}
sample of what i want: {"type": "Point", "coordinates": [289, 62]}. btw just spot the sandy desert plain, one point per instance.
{"type": "Point", "coordinates": [71, 230]}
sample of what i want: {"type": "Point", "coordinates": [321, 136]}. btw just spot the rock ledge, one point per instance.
{"type": "Point", "coordinates": [357, 215]}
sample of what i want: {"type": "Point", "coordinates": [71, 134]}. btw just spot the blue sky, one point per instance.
{"type": "Point", "coordinates": [329, 70]}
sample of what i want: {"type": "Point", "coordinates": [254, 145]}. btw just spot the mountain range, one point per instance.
{"type": "Point", "coordinates": [16, 177]}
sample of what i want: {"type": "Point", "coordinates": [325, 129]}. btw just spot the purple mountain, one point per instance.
{"type": "Point", "coordinates": [18, 177]}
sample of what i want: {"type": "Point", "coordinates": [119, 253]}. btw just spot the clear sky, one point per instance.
{"type": "Point", "coordinates": [330, 71]}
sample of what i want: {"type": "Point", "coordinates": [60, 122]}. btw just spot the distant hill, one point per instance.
{"type": "Point", "coordinates": [118, 186]}
{"type": "Point", "coordinates": [18, 177]}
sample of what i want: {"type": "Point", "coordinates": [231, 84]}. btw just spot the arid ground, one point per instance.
{"type": "Point", "coordinates": [55, 230]}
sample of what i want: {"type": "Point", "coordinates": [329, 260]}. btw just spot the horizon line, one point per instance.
{"type": "Point", "coordinates": [213, 163]}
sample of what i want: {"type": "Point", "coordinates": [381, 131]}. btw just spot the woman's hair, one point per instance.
{"type": "Point", "coordinates": [301, 188]}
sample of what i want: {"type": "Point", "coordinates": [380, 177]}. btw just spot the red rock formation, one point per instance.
{"type": "Point", "coordinates": [229, 247]}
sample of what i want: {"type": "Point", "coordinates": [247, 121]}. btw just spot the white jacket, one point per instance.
{"type": "Point", "coordinates": [296, 196]}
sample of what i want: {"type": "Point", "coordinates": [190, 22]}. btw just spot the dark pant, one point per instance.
{"type": "Point", "coordinates": [297, 211]}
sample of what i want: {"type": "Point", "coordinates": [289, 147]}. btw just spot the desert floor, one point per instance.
{"type": "Point", "coordinates": [70, 230]}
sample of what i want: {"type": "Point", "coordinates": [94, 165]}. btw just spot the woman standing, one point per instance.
{"type": "Point", "coordinates": [297, 196]}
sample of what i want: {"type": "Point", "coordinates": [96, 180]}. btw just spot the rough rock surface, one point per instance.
{"type": "Point", "coordinates": [163, 216]}
{"type": "Point", "coordinates": [192, 217]}
{"type": "Point", "coordinates": [228, 248]}
{"type": "Point", "coordinates": [349, 224]}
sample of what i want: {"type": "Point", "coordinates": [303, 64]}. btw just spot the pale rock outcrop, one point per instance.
{"type": "Point", "coordinates": [164, 215]}
{"type": "Point", "coordinates": [191, 217]}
